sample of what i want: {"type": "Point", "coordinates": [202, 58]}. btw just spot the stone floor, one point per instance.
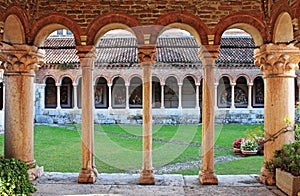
{"type": "Point", "coordinates": [171, 184]}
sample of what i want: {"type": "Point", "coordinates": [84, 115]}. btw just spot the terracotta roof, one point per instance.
{"type": "Point", "coordinates": [181, 50]}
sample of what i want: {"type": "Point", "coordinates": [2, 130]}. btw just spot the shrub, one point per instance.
{"type": "Point", "coordinates": [14, 178]}
{"type": "Point", "coordinates": [249, 145]}
{"type": "Point", "coordinates": [237, 143]}
{"type": "Point", "coordinates": [287, 159]}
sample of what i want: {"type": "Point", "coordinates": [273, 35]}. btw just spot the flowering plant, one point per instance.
{"type": "Point", "coordinates": [249, 145]}
{"type": "Point", "coordinates": [237, 143]}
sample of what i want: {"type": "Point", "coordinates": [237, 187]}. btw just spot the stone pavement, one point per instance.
{"type": "Point", "coordinates": [168, 184]}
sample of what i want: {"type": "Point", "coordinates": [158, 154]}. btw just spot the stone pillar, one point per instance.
{"type": "Point", "coordinates": [197, 96]}
{"type": "Point", "coordinates": [250, 95]}
{"type": "Point", "coordinates": [19, 63]}
{"type": "Point", "coordinates": [127, 95]}
{"type": "Point", "coordinates": [232, 95]}
{"type": "Point", "coordinates": [278, 62]}
{"type": "Point", "coordinates": [146, 54]}
{"type": "Point", "coordinates": [109, 96]}
{"type": "Point", "coordinates": [216, 96]}
{"type": "Point", "coordinates": [180, 96]}
{"type": "Point", "coordinates": [75, 96]}
{"type": "Point", "coordinates": [208, 55]}
{"type": "Point", "coordinates": [162, 106]}
{"type": "Point", "coordinates": [58, 96]}
{"type": "Point", "coordinates": [88, 172]}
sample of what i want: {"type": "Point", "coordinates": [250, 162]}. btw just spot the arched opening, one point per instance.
{"type": "Point", "coordinates": [50, 93]}
{"type": "Point", "coordinates": [156, 92]}
{"type": "Point", "coordinates": [258, 92]}
{"type": "Point", "coordinates": [66, 93]}
{"type": "Point", "coordinates": [79, 92]}
{"type": "Point", "coordinates": [241, 93]}
{"type": "Point", "coordinates": [135, 93]}
{"type": "Point", "coordinates": [101, 93]}
{"type": "Point", "coordinates": [171, 92]}
{"type": "Point", "coordinates": [118, 93]}
{"type": "Point", "coordinates": [188, 92]}
{"type": "Point", "coordinates": [224, 93]}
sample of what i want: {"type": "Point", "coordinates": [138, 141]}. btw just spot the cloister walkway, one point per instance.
{"type": "Point", "coordinates": [168, 184]}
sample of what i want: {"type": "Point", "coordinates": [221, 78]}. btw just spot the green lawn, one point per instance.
{"type": "Point", "coordinates": [118, 148]}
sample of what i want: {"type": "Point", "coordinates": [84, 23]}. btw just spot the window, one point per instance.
{"type": "Point", "coordinates": [66, 91]}
{"type": "Point", "coordinates": [241, 93]}
{"type": "Point", "coordinates": [118, 93]}
{"type": "Point", "coordinates": [224, 92]}
{"type": "Point", "coordinates": [50, 94]}
{"type": "Point", "coordinates": [171, 93]}
{"type": "Point", "coordinates": [188, 93]}
{"type": "Point", "coordinates": [156, 93]}
{"type": "Point", "coordinates": [258, 92]}
{"type": "Point", "coordinates": [101, 93]}
{"type": "Point", "coordinates": [60, 32]}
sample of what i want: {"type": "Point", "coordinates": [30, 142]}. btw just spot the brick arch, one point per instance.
{"type": "Point", "coordinates": [192, 76]}
{"type": "Point", "coordinates": [46, 25]}
{"type": "Point", "coordinates": [188, 19]}
{"type": "Point", "coordinates": [49, 76]}
{"type": "Point", "coordinates": [249, 23]}
{"type": "Point", "coordinates": [97, 27]}
{"type": "Point", "coordinates": [171, 75]}
{"type": "Point", "coordinates": [281, 23]}
{"type": "Point", "coordinates": [248, 79]}
{"type": "Point", "coordinates": [101, 76]}
{"type": "Point", "coordinates": [66, 76]}
{"type": "Point", "coordinates": [231, 79]}
{"type": "Point", "coordinates": [22, 18]}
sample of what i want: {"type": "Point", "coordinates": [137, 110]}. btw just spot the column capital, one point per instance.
{"type": "Point", "coordinates": [208, 54]}
{"type": "Point", "coordinates": [232, 84]}
{"type": "Point", "coordinates": [277, 60]}
{"type": "Point", "coordinates": [20, 58]}
{"type": "Point", "coordinates": [146, 53]}
{"type": "Point", "coordinates": [86, 55]}
{"type": "Point", "coordinates": [250, 84]}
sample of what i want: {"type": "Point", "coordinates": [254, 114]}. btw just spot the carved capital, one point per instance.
{"type": "Point", "coordinates": [146, 53]}
{"type": "Point", "coordinates": [208, 54]}
{"type": "Point", "coordinates": [86, 55]}
{"type": "Point", "coordinates": [20, 58]}
{"type": "Point", "coordinates": [278, 60]}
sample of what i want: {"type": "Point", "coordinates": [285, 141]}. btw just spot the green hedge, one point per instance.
{"type": "Point", "coordinates": [14, 178]}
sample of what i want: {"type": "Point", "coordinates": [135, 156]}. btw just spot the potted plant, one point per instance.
{"type": "Point", "coordinates": [286, 166]}
{"type": "Point", "coordinates": [249, 146]}
{"type": "Point", "coordinates": [237, 145]}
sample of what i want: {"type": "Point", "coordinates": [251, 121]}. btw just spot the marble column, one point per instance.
{"type": "Point", "coordinates": [58, 96]}
{"type": "Point", "coordinates": [19, 63]}
{"type": "Point", "coordinates": [109, 96]}
{"type": "Point", "coordinates": [208, 55]}
{"type": "Point", "coordinates": [88, 171]}
{"type": "Point", "coordinates": [250, 95]}
{"type": "Point", "coordinates": [232, 95]}
{"type": "Point", "coordinates": [180, 96]}
{"type": "Point", "coordinates": [197, 96]}
{"type": "Point", "coordinates": [127, 95]}
{"type": "Point", "coordinates": [216, 96]}
{"type": "Point", "coordinates": [278, 62]}
{"type": "Point", "coordinates": [162, 105]}
{"type": "Point", "coordinates": [75, 96]}
{"type": "Point", "coordinates": [146, 54]}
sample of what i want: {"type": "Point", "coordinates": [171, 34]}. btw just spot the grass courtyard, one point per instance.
{"type": "Point", "coordinates": [118, 148]}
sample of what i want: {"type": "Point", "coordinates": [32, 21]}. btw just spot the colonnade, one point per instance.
{"type": "Point", "coordinates": [278, 63]}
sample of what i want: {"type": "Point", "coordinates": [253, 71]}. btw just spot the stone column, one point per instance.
{"type": "Point", "coordinates": [88, 172]}
{"type": "Point", "coordinates": [216, 96]}
{"type": "Point", "coordinates": [75, 96]}
{"type": "Point", "coordinates": [162, 106]}
{"type": "Point", "coordinates": [58, 96]}
{"type": "Point", "coordinates": [197, 96]}
{"type": "Point", "coordinates": [109, 96]}
{"type": "Point", "coordinates": [208, 55]}
{"type": "Point", "coordinates": [19, 63]}
{"type": "Point", "coordinates": [180, 96]}
{"type": "Point", "coordinates": [127, 95]}
{"type": "Point", "coordinates": [250, 95]}
{"type": "Point", "coordinates": [278, 62]}
{"type": "Point", "coordinates": [146, 54]}
{"type": "Point", "coordinates": [232, 95]}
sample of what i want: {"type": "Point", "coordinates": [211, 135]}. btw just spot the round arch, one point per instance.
{"type": "Point", "coordinates": [231, 79]}
{"type": "Point", "coordinates": [46, 77]}
{"type": "Point", "coordinates": [245, 76]}
{"type": "Point", "coordinates": [45, 26]}
{"type": "Point", "coordinates": [108, 22]}
{"type": "Point", "coordinates": [15, 26]}
{"type": "Point", "coordinates": [65, 76]}
{"type": "Point", "coordinates": [187, 22]}
{"type": "Point", "coordinates": [250, 24]}
{"type": "Point", "coordinates": [283, 28]}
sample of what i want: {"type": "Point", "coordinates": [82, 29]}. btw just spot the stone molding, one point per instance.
{"type": "Point", "coordinates": [20, 58]}
{"type": "Point", "coordinates": [208, 54]}
{"type": "Point", "coordinates": [146, 53]}
{"type": "Point", "coordinates": [86, 55]}
{"type": "Point", "coordinates": [278, 60]}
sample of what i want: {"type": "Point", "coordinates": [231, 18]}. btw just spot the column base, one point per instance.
{"type": "Point", "coordinates": [87, 176]}
{"type": "Point", "coordinates": [35, 172]}
{"type": "Point", "coordinates": [267, 177]}
{"type": "Point", "coordinates": [147, 177]}
{"type": "Point", "coordinates": [208, 178]}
